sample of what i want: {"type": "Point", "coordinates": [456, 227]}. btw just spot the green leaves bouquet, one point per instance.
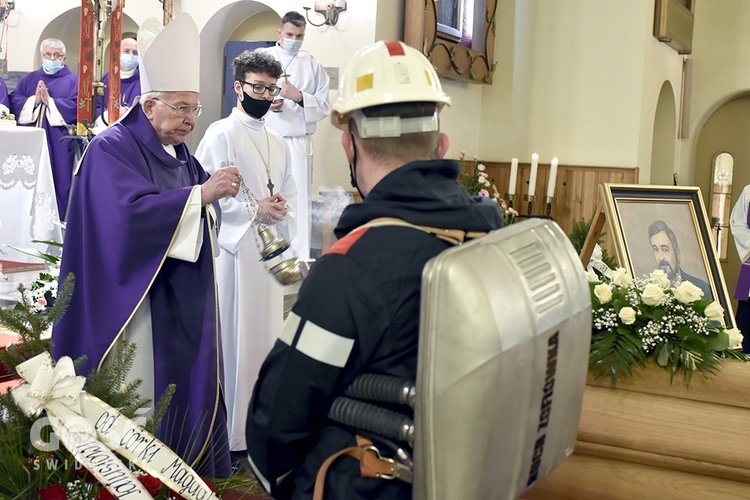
{"type": "Point", "coordinates": [637, 319]}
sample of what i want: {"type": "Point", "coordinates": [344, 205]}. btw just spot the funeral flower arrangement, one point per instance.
{"type": "Point", "coordinates": [642, 318]}
{"type": "Point", "coordinates": [476, 181]}
{"type": "Point", "coordinates": [64, 436]}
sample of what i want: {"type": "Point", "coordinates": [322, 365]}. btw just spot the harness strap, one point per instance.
{"type": "Point", "coordinates": [371, 464]}
{"type": "Point", "coordinates": [452, 236]}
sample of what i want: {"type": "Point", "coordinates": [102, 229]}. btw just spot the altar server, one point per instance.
{"type": "Point", "coordinates": [303, 103]}
{"type": "Point", "coordinates": [251, 300]}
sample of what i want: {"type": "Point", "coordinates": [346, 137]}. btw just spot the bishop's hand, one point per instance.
{"type": "Point", "coordinates": [224, 182]}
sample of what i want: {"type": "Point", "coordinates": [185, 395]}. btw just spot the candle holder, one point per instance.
{"type": "Point", "coordinates": [549, 199]}
{"type": "Point", "coordinates": [510, 198]}
{"type": "Point", "coordinates": [530, 199]}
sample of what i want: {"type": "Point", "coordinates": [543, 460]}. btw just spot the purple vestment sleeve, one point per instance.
{"type": "Point", "coordinates": [742, 290]}
{"type": "Point", "coordinates": [4, 100]}
{"type": "Point", "coordinates": [63, 88]}
{"type": "Point", "coordinates": [128, 201]}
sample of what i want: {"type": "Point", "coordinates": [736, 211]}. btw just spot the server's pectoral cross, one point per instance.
{"type": "Point", "coordinates": [270, 186]}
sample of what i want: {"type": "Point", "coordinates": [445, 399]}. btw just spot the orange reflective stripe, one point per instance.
{"type": "Point", "coordinates": [343, 245]}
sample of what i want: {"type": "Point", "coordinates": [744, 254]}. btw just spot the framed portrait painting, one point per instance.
{"type": "Point", "coordinates": [666, 227]}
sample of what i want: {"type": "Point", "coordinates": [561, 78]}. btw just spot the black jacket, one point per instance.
{"type": "Point", "coordinates": [357, 312]}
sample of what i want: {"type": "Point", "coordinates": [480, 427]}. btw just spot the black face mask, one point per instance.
{"type": "Point", "coordinates": [256, 108]}
{"type": "Point", "coordinates": [353, 168]}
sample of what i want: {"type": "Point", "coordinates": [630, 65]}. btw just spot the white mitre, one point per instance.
{"type": "Point", "coordinates": [169, 57]}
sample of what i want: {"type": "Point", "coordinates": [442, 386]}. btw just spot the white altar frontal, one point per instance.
{"type": "Point", "coordinates": [28, 210]}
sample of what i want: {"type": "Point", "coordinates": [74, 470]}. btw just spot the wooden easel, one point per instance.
{"type": "Point", "coordinates": [592, 238]}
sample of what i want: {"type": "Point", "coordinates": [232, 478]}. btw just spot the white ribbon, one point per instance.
{"type": "Point", "coordinates": [91, 430]}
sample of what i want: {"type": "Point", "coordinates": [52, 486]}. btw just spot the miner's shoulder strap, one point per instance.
{"type": "Point", "coordinates": [452, 236]}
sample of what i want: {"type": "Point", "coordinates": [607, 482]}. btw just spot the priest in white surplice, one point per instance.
{"type": "Point", "coordinates": [304, 89]}
{"type": "Point", "coordinates": [250, 300]}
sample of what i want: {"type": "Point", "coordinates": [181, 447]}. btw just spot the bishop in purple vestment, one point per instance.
{"type": "Point", "coordinates": [140, 243]}
{"type": "Point", "coordinates": [55, 86]}
{"type": "Point", "coordinates": [130, 200]}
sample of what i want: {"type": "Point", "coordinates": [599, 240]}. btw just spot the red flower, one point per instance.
{"type": "Point", "coordinates": [152, 484]}
{"type": "Point", "coordinates": [104, 494]}
{"type": "Point", "coordinates": [83, 473]}
{"type": "Point", "coordinates": [175, 496]}
{"type": "Point", "coordinates": [56, 492]}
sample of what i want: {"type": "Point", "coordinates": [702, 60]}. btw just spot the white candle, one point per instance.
{"type": "Point", "coordinates": [513, 176]}
{"type": "Point", "coordinates": [552, 178]}
{"type": "Point", "coordinates": [532, 175]}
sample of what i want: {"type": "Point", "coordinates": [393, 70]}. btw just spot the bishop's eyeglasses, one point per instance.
{"type": "Point", "coordinates": [183, 110]}
{"type": "Point", "coordinates": [259, 88]}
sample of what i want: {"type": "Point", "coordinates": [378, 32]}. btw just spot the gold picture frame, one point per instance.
{"type": "Point", "coordinates": [451, 60]}
{"type": "Point", "coordinates": [643, 220]}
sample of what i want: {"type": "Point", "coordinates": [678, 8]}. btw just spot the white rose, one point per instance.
{"type": "Point", "coordinates": [620, 277]}
{"type": "Point", "coordinates": [714, 312]}
{"type": "Point", "coordinates": [590, 276]}
{"type": "Point", "coordinates": [627, 315]}
{"type": "Point", "coordinates": [687, 293]}
{"type": "Point", "coordinates": [660, 278]}
{"type": "Point", "coordinates": [603, 292]}
{"type": "Point", "coordinates": [652, 294]}
{"type": "Point", "coordinates": [735, 338]}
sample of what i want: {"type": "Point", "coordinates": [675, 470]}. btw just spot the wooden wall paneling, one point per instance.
{"type": "Point", "coordinates": [576, 190]}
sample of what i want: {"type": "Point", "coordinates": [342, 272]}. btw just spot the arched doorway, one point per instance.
{"type": "Point", "coordinates": [663, 138]}
{"type": "Point", "coordinates": [67, 27]}
{"type": "Point", "coordinates": [725, 130]}
{"type": "Point", "coordinates": [220, 29]}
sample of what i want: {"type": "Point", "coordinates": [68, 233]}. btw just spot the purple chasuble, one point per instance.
{"type": "Point", "coordinates": [125, 208]}
{"type": "Point", "coordinates": [742, 290]}
{"type": "Point", "coordinates": [63, 88]}
{"type": "Point", "coordinates": [130, 88]}
{"type": "Point", "coordinates": [4, 100]}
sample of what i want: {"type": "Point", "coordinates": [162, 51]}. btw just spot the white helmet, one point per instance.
{"type": "Point", "coordinates": [386, 73]}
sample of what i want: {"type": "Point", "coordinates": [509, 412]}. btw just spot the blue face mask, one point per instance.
{"type": "Point", "coordinates": [291, 46]}
{"type": "Point", "coordinates": [128, 62]}
{"type": "Point", "coordinates": [51, 67]}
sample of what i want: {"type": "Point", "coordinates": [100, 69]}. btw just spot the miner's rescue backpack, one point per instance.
{"type": "Point", "coordinates": [505, 333]}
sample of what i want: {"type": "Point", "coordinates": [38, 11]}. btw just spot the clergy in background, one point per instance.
{"type": "Point", "coordinates": [130, 84]}
{"type": "Point", "coordinates": [139, 241]}
{"type": "Point", "coordinates": [303, 103]}
{"type": "Point", "coordinates": [48, 97]}
{"type": "Point", "coordinates": [251, 301]}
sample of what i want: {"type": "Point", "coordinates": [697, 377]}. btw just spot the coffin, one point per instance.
{"type": "Point", "coordinates": [645, 438]}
